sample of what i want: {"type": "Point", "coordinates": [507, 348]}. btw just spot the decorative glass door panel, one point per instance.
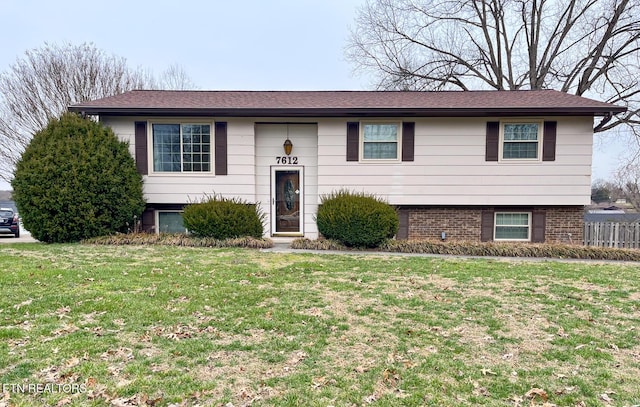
{"type": "Point", "coordinates": [287, 201]}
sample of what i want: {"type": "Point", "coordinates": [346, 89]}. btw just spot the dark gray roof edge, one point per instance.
{"type": "Point", "coordinates": [348, 112]}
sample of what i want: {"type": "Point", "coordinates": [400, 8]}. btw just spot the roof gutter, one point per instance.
{"type": "Point", "coordinates": [346, 112]}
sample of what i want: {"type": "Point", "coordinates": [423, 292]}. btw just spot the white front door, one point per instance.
{"type": "Point", "coordinates": [287, 201]}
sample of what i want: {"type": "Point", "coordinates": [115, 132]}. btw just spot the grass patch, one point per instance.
{"type": "Point", "coordinates": [162, 324]}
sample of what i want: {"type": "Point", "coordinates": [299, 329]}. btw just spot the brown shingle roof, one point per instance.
{"type": "Point", "coordinates": [345, 103]}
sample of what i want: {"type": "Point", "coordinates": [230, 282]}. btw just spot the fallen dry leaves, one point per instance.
{"type": "Point", "coordinates": [23, 303]}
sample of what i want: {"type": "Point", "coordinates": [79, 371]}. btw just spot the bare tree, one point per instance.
{"type": "Point", "coordinates": [45, 81]}
{"type": "Point", "coordinates": [585, 47]}
{"type": "Point", "coordinates": [175, 78]}
{"type": "Point", "coordinates": [172, 78]}
{"type": "Point", "coordinates": [601, 191]}
{"type": "Point", "coordinates": [628, 183]}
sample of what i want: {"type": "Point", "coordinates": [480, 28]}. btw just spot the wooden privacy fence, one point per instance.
{"type": "Point", "coordinates": [612, 234]}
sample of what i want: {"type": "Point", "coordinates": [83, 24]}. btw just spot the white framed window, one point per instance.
{"type": "Point", "coordinates": [512, 226]}
{"type": "Point", "coordinates": [521, 140]}
{"type": "Point", "coordinates": [170, 222]}
{"type": "Point", "coordinates": [181, 147]}
{"type": "Point", "coordinates": [380, 141]}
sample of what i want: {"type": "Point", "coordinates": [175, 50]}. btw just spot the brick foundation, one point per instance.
{"type": "Point", "coordinates": [563, 224]}
{"type": "Point", "coordinates": [457, 223]}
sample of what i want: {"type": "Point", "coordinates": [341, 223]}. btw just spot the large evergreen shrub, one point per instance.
{"type": "Point", "coordinates": [223, 218]}
{"type": "Point", "coordinates": [356, 219]}
{"type": "Point", "coordinates": [76, 180]}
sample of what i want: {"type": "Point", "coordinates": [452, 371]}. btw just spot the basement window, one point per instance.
{"type": "Point", "coordinates": [512, 226]}
{"type": "Point", "coordinates": [170, 222]}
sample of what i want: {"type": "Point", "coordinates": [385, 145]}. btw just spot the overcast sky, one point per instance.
{"type": "Point", "coordinates": [221, 44]}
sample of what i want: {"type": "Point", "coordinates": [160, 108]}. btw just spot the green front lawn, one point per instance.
{"type": "Point", "coordinates": [158, 325]}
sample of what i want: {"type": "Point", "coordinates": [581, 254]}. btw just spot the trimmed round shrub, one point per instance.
{"type": "Point", "coordinates": [356, 219]}
{"type": "Point", "coordinates": [223, 218]}
{"type": "Point", "coordinates": [76, 180]}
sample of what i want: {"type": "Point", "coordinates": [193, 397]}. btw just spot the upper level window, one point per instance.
{"type": "Point", "coordinates": [521, 141]}
{"type": "Point", "coordinates": [380, 141]}
{"type": "Point", "coordinates": [181, 147]}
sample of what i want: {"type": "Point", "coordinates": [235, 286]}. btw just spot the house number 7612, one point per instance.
{"type": "Point", "coordinates": [286, 160]}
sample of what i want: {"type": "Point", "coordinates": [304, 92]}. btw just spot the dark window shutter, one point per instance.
{"type": "Point", "coordinates": [408, 140]}
{"type": "Point", "coordinates": [221, 148]}
{"type": "Point", "coordinates": [142, 164]}
{"type": "Point", "coordinates": [549, 141]}
{"type": "Point", "coordinates": [538, 221]}
{"type": "Point", "coordinates": [486, 226]}
{"type": "Point", "coordinates": [403, 227]}
{"type": "Point", "coordinates": [493, 141]}
{"type": "Point", "coordinates": [353, 141]}
{"type": "Point", "coordinates": [148, 220]}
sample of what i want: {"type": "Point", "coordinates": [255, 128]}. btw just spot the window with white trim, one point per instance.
{"type": "Point", "coordinates": [170, 222]}
{"type": "Point", "coordinates": [521, 141]}
{"type": "Point", "coordinates": [380, 141]}
{"type": "Point", "coordinates": [512, 226]}
{"type": "Point", "coordinates": [181, 147]}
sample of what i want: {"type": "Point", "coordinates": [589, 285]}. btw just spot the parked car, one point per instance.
{"type": "Point", "coordinates": [9, 222]}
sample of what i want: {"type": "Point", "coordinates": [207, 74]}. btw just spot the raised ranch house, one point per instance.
{"type": "Point", "coordinates": [486, 165]}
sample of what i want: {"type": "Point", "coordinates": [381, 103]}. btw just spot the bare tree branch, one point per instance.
{"type": "Point", "coordinates": [628, 183]}
{"type": "Point", "coordinates": [586, 47]}
{"type": "Point", "coordinates": [41, 85]}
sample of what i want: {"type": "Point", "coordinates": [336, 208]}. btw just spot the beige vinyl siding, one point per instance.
{"type": "Point", "coordinates": [450, 167]}
{"type": "Point", "coordinates": [124, 128]}
{"type": "Point", "coordinates": [187, 187]}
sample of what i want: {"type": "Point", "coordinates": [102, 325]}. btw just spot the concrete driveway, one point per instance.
{"type": "Point", "coordinates": [25, 237]}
